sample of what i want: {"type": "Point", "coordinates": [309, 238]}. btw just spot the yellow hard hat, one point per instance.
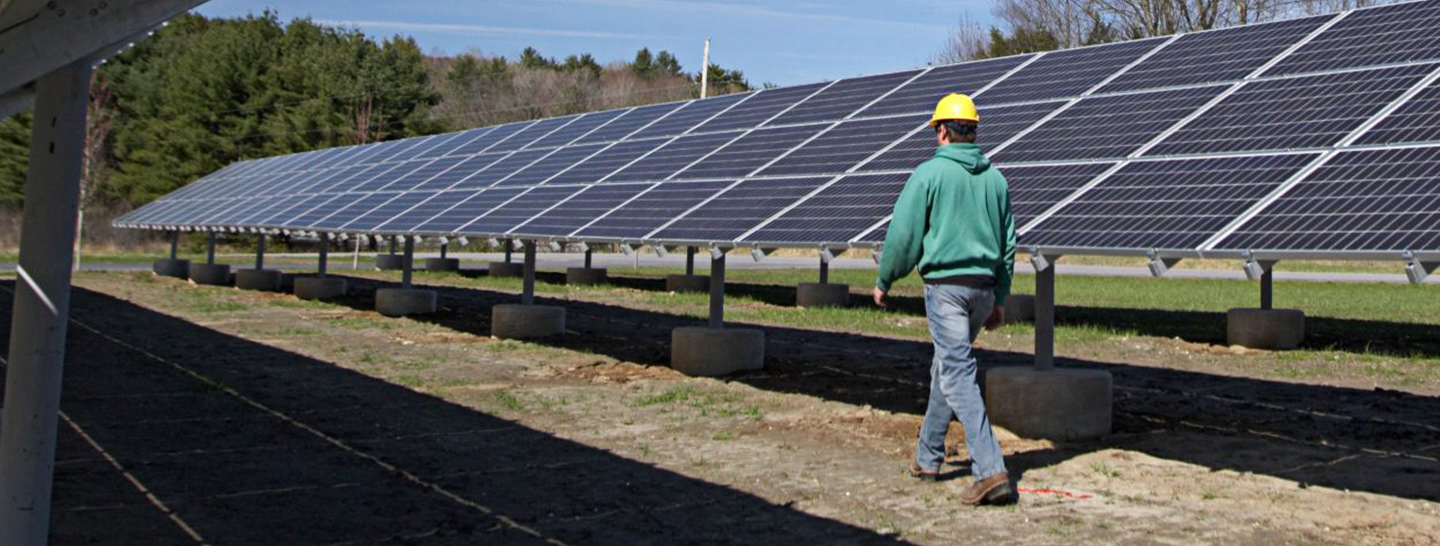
{"type": "Point", "coordinates": [955, 106]}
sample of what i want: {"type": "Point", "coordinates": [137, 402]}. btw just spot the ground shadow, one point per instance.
{"type": "Point", "coordinates": [286, 449]}
{"type": "Point", "coordinates": [1371, 440]}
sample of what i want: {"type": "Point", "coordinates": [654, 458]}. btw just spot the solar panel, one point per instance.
{"type": "Point", "coordinates": [1358, 200]}
{"type": "Point", "coordinates": [838, 101]}
{"type": "Point", "coordinates": [438, 203]}
{"type": "Point", "coordinates": [462, 139]}
{"type": "Point", "coordinates": [1418, 120]}
{"type": "Point", "coordinates": [670, 158]}
{"type": "Point", "coordinates": [517, 211]}
{"type": "Point", "coordinates": [459, 175]}
{"type": "Point", "coordinates": [1303, 112]}
{"type": "Point", "coordinates": [997, 125]}
{"type": "Point", "coordinates": [1107, 127]}
{"type": "Point", "coordinates": [1174, 204]}
{"type": "Point", "coordinates": [423, 173]}
{"type": "Point", "coordinates": [537, 135]}
{"type": "Point", "coordinates": [631, 121]}
{"type": "Point", "coordinates": [462, 212]}
{"type": "Point", "coordinates": [1215, 56]}
{"type": "Point", "coordinates": [690, 117]}
{"type": "Point", "coordinates": [1067, 73]}
{"type": "Point", "coordinates": [652, 209]}
{"type": "Point", "coordinates": [844, 145]}
{"type": "Point", "coordinates": [840, 212]}
{"type": "Point", "coordinates": [552, 164]}
{"type": "Point", "coordinates": [759, 108]}
{"type": "Point", "coordinates": [391, 208]}
{"type": "Point", "coordinates": [735, 211]}
{"type": "Point", "coordinates": [607, 161]}
{"type": "Point", "coordinates": [580, 209]}
{"type": "Point", "coordinates": [500, 170]}
{"type": "Point", "coordinates": [1400, 33]}
{"type": "Point", "coordinates": [921, 94]}
{"type": "Point", "coordinates": [356, 206]}
{"type": "Point", "coordinates": [482, 143]}
{"type": "Point", "coordinates": [1035, 189]}
{"type": "Point", "coordinates": [752, 151]}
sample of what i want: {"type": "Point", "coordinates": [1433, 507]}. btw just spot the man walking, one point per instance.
{"type": "Point", "coordinates": [953, 222]}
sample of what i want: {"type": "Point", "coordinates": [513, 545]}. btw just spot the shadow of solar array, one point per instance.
{"type": "Point", "coordinates": [1315, 134]}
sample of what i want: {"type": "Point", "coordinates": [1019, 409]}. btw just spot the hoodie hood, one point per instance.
{"type": "Point", "coordinates": [967, 155]}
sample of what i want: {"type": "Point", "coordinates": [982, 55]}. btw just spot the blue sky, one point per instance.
{"type": "Point", "coordinates": [779, 41]}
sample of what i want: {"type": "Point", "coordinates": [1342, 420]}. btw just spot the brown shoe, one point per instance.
{"type": "Point", "coordinates": [922, 474]}
{"type": "Point", "coordinates": [995, 489]}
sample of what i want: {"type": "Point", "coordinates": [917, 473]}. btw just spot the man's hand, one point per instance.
{"type": "Point", "coordinates": [997, 318]}
{"type": "Point", "coordinates": [879, 297]}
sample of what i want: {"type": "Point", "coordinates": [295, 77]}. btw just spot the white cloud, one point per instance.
{"type": "Point", "coordinates": [482, 29]}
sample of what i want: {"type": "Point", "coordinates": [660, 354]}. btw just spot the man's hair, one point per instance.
{"type": "Point", "coordinates": [958, 131]}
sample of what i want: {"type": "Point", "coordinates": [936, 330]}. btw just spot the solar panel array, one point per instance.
{"type": "Point", "coordinates": [1314, 134]}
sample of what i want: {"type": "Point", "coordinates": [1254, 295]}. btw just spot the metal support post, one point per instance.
{"type": "Point", "coordinates": [174, 244]}
{"type": "Point", "coordinates": [392, 245]}
{"type": "Point", "coordinates": [689, 260]}
{"type": "Point", "coordinates": [1267, 289]}
{"type": "Point", "coordinates": [260, 252]}
{"type": "Point", "coordinates": [509, 246]}
{"type": "Point", "coordinates": [528, 296]}
{"type": "Point", "coordinates": [444, 250]}
{"type": "Point", "coordinates": [409, 266]}
{"type": "Point", "coordinates": [324, 252]}
{"type": "Point", "coordinates": [587, 258]}
{"type": "Point", "coordinates": [210, 250]}
{"type": "Point", "coordinates": [1045, 315]}
{"type": "Point", "coordinates": [717, 292]}
{"type": "Point", "coordinates": [42, 305]}
{"type": "Point", "coordinates": [824, 271]}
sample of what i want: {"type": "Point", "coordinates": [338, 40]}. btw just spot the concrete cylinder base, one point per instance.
{"type": "Point", "coordinates": [687, 283]}
{"type": "Point", "coordinates": [167, 267]}
{"type": "Point", "coordinates": [1057, 404]}
{"type": "Point", "coordinates": [1265, 328]}
{"type": "Point", "coordinates": [814, 294]}
{"type": "Point", "coordinates": [398, 302]}
{"type": "Point", "coordinates": [258, 279]}
{"type": "Point", "coordinates": [287, 283]}
{"type": "Point", "coordinates": [1020, 308]}
{"type": "Point", "coordinates": [389, 262]}
{"type": "Point", "coordinates": [319, 288]}
{"type": "Point", "coordinates": [713, 352]}
{"type": "Point", "coordinates": [506, 269]}
{"type": "Point", "coordinates": [513, 321]}
{"type": "Point", "coordinates": [212, 274]}
{"type": "Point", "coordinates": [442, 264]}
{"type": "Point", "coordinates": [580, 276]}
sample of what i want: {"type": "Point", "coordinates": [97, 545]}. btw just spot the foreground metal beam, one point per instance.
{"type": "Point", "coordinates": [42, 306]}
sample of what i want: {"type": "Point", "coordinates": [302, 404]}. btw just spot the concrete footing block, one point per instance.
{"type": "Point", "coordinates": [581, 276]}
{"type": "Point", "coordinates": [687, 283]}
{"type": "Point", "coordinates": [1265, 328]}
{"type": "Point", "coordinates": [319, 288]}
{"type": "Point", "coordinates": [698, 351]}
{"type": "Point", "coordinates": [389, 262]}
{"type": "Point", "coordinates": [167, 267]}
{"type": "Point", "coordinates": [814, 294]}
{"type": "Point", "coordinates": [212, 274]}
{"type": "Point", "coordinates": [258, 279]}
{"type": "Point", "coordinates": [442, 264]}
{"type": "Point", "coordinates": [506, 269]}
{"type": "Point", "coordinates": [1056, 404]}
{"type": "Point", "coordinates": [399, 302]}
{"type": "Point", "coordinates": [1020, 308]}
{"type": "Point", "coordinates": [514, 321]}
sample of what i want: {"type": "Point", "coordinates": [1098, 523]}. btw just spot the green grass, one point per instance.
{"type": "Point", "coordinates": [508, 400]}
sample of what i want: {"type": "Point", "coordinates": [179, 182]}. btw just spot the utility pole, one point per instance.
{"type": "Point", "coordinates": [705, 71]}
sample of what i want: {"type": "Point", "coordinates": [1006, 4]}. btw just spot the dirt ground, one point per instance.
{"type": "Point", "coordinates": [209, 415]}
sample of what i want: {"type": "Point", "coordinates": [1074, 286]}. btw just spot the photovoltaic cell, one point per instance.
{"type": "Point", "coordinates": [1035, 189]}
{"type": "Point", "coordinates": [463, 212]}
{"type": "Point", "coordinates": [692, 115]}
{"type": "Point", "coordinates": [580, 210]}
{"type": "Point", "coordinates": [602, 164]}
{"type": "Point", "coordinates": [1066, 73]}
{"type": "Point", "coordinates": [383, 175]}
{"type": "Point", "coordinates": [483, 142]}
{"type": "Point", "coordinates": [1399, 33]}
{"type": "Point", "coordinates": [997, 125]}
{"type": "Point", "coordinates": [631, 121]}
{"type": "Point", "coordinates": [1361, 200]}
{"type": "Point", "coordinates": [1166, 204]}
{"type": "Point", "coordinates": [670, 158]}
{"type": "Point", "coordinates": [759, 108]}
{"type": "Point", "coordinates": [461, 140]}
{"type": "Point", "coordinates": [921, 94]}
{"type": "Point", "coordinates": [843, 146]}
{"type": "Point", "coordinates": [457, 175]}
{"type": "Point", "coordinates": [1215, 56]}
{"type": "Point", "coordinates": [397, 204]}
{"type": "Point", "coordinates": [424, 172]}
{"type": "Point", "coordinates": [400, 150]}
{"type": "Point", "coordinates": [739, 209]}
{"type": "Point", "coordinates": [522, 208]}
{"type": "Point", "coordinates": [652, 209]}
{"type": "Point", "coordinates": [580, 127]}
{"type": "Point", "coordinates": [747, 153]}
{"type": "Point", "coordinates": [1418, 120]}
{"type": "Point", "coordinates": [538, 135]}
{"type": "Point", "coordinates": [1107, 127]}
{"type": "Point", "coordinates": [842, 99]}
{"type": "Point", "coordinates": [437, 203]}
{"type": "Point", "coordinates": [498, 171]}
{"type": "Point", "coordinates": [552, 164]}
{"type": "Point", "coordinates": [837, 213]}
{"type": "Point", "coordinates": [301, 214]}
{"type": "Point", "coordinates": [354, 209]}
{"type": "Point", "coordinates": [1291, 113]}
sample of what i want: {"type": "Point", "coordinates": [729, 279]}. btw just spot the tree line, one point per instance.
{"type": "Point", "coordinates": [205, 92]}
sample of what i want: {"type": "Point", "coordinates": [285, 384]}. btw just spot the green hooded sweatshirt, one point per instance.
{"type": "Point", "coordinates": [953, 218]}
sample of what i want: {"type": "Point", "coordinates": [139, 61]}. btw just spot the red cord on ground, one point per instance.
{"type": "Point", "coordinates": [1066, 494]}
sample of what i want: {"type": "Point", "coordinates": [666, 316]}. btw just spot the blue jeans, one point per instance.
{"type": "Point", "coordinates": [957, 313]}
